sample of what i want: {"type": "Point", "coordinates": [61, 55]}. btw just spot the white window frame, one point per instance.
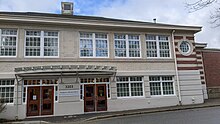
{"type": "Point", "coordinates": [10, 103]}
{"type": "Point", "coordinates": [161, 86]}
{"type": "Point", "coordinates": [127, 46]}
{"type": "Point", "coordinates": [16, 44]}
{"type": "Point", "coordinates": [158, 46]}
{"type": "Point", "coordinates": [129, 82]}
{"type": "Point", "coordinates": [94, 45]}
{"type": "Point", "coordinates": [189, 44]}
{"type": "Point", "coordinates": [42, 44]}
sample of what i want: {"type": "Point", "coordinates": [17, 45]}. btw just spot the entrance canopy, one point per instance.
{"type": "Point", "coordinates": [57, 70]}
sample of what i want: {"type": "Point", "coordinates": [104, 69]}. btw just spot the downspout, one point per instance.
{"type": "Point", "coordinates": [16, 117]}
{"type": "Point", "coordinates": [176, 70]}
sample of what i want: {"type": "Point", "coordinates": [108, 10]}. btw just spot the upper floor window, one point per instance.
{"type": "Point", "coordinates": [127, 45]}
{"type": "Point", "coordinates": [93, 44]}
{"type": "Point", "coordinates": [157, 46]}
{"type": "Point", "coordinates": [8, 42]}
{"type": "Point", "coordinates": [185, 48]}
{"type": "Point", "coordinates": [41, 43]}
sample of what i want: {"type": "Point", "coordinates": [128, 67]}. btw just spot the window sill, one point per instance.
{"type": "Point", "coordinates": [132, 97]}
{"type": "Point", "coordinates": [159, 96]}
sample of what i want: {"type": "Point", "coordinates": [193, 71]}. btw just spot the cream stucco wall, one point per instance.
{"type": "Point", "coordinates": [69, 55]}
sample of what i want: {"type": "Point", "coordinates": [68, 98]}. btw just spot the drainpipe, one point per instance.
{"type": "Point", "coordinates": [176, 70]}
{"type": "Point", "coordinates": [16, 117]}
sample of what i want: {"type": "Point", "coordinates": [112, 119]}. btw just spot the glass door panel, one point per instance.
{"type": "Point", "coordinates": [47, 100]}
{"type": "Point", "coordinates": [101, 98]}
{"type": "Point", "coordinates": [33, 101]}
{"type": "Point", "coordinates": [89, 98]}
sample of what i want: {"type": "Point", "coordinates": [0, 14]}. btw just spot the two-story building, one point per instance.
{"type": "Point", "coordinates": [57, 64]}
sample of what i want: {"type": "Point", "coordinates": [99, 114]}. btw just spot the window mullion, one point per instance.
{"type": "Point", "coordinates": [94, 44]}
{"type": "Point", "coordinates": [158, 48]}
{"type": "Point", "coordinates": [0, 37]}
{"type": "Point", "coordinates": [42, 43]}
{"type": "Point", "coordinates": [129, 84]}
{"type": "Point", "coordinates": [127, 46]}
{"type": "Point", "coordinates": [161, 86]}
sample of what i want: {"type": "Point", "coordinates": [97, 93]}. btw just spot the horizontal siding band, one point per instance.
{"type": "Point", "coordinates": [182, 56]}
{"type": "Point", "coordinates": [186, 62]}
{"type": "Point", "coordinates": [187, 68]}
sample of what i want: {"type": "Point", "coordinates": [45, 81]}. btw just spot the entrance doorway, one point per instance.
{"type": "Point", "coordinates": [95, 98]}
{"type": "Point", "coordinates": [40, 100]}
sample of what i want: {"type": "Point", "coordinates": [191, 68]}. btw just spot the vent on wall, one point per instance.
{"type": "Point", "coordinates": [67, 8]}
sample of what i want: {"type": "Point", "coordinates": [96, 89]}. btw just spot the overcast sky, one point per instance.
{"type": "Point", "coordinates": [166, 11]}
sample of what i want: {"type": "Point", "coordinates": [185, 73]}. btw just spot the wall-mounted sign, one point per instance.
{"type": "Point", "coordinates": [34, 97]}
{"type": "Point", "coordinates": [69, 93]}
{"type": "Point", "coordinates": [69, 86]}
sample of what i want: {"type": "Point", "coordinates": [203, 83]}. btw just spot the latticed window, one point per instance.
{"type": "Point", "coordinates": [7, 90]}
{"type": "Point", "coordinates": [41, 43]}
{"type": "Point", "coordinates": [161, 85]}
{"type": "Point", "coordinates": [8, 42]}
{"type": "Point", "coordinates": [127, 45]}
{"type": "Point", "coordinates": [122, 89]}
{"type": "Point", "coordinates": [184, 47]}
{"type": "Point", "coordinates": [93, 44]}
{"type": "Point", "coordinates": [157, 46]}
{"type": "Point", "coordinates": [129, 86]}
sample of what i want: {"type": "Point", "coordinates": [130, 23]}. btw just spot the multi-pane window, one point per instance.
{"type": "Point", "coordinates": [93, 44]}
{"type": "Point", "coordinates": [161, 85]}
{"type": "Point", "coordinates": [157, 46]}
{"type": "Point", "coordinates": [7, 91]}
{"type": "Point", "coordinates": [41, 43]}
{"type": "Point", "coordinates": [184, 47]}
{"type": "Point", "coordinates": [8, 41]}
{"type": "Point", "coordinates": [129, 86]}
{"type": "Point", "coordinates": [50, 43]}
{"type": "Point", "coordinates": [127, 45]}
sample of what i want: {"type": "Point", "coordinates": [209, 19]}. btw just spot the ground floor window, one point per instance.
{"type": "Point", "coordinates": [161, 85]}
{"type": "Point", "coordinates": [7, 90]}
{"type": "Point", "coordinates": [129, 86]}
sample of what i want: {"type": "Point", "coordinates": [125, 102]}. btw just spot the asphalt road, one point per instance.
{"type": "Point", "coordinates": [194, 116]}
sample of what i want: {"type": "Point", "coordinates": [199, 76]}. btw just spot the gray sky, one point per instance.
{"type": "Point", "coordinates": [166, 11]}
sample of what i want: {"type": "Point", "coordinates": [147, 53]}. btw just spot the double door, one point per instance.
{"type": "Point", "coordinates": [40, 100]}
{"type": "Point", "coordinates": [95, 98]}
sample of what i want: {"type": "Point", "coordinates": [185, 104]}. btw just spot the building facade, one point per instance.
{"type": "Point", "coordinates": [55, 65]}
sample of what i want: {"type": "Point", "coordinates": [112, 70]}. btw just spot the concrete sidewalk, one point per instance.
{"type": "Point", "coordinates": [83, 118]}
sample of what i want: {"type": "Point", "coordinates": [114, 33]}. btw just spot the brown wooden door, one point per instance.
{"type": "Point", "coordinates": [33, 101]}
{"type": "Point", "coordinates": [47, 100]}
{"type": "Point", "coordinates": [95, 98]}
{"type": "Point", "coordinates": [89, 98]}
{"type": "Point", "coordinates": [101, 98]}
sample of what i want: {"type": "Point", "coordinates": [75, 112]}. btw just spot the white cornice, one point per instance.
{"type": "Point", "coordinates": [93, 22]}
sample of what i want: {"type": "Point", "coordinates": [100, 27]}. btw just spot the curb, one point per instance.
{"type": "Point", "coordinates": [149, 111]}
{"type": "Point", "coordinates": [29, 122]}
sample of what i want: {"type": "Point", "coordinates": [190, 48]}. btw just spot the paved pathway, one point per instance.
{"type": "Point", "coordinates": [94, 116]}
{"type": "Point", "coordinates": [190, 116]}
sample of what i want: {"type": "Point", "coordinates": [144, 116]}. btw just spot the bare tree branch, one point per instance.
{"type": "Point", "coordinates": [200, 4]}
{"type": "Point", "coordinates": [215, 17]}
